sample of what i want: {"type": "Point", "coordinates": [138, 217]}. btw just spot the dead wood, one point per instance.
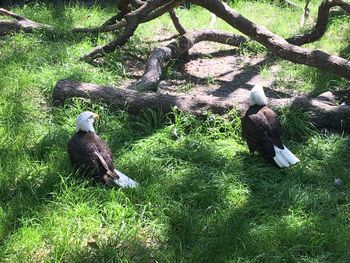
{"type": "Point", "coordinates": [147, 12]}
{"type": "Point", "coordinates": [161, 56]}
{"type": "Point", "coordinates": [124, 8]}
{"type": "Point", "coordinates": [275, 43]}
{"type": "Point", "coordinates": [321, 25]}
{"type": "Point", "coordinates": [323, 114]}
{"type": "Point", "coordinates": [19, 24]}
{"type": "Point", "coordinates": [176, 22]}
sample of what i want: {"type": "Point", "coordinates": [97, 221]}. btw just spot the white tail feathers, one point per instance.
{"type": "Point", "coordinates": [284, 157]}
{"type": "Point", "coordinates": [124, 181]}
{"type": "Point", "coordinates": [257, 96]}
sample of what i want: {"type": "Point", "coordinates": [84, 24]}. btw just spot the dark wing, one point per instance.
{"type": "Point", "coordinates": [276, 128]}
{"type": "Point", "coordinates": [81, 153]}
{"type": "Point", "coordinates": [257, 131]}
{"type": "Point", "coordinates": [92, 156]}
{"type": "Point", "coordinates": [105, 152]}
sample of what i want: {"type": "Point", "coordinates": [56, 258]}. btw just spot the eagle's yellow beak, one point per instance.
{"type": "Point", "coordinates": [96, 116]}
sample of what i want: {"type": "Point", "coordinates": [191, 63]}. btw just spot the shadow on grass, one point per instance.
{"type": "Point", "coordinates": [223, 208]}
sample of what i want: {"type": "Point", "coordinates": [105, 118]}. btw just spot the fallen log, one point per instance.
{"type": "Point", "coordinates": [324, 113]}
{"type": "Point", "coordinates": [20, 23]}
{"type": "Point", "coordinates": [161, 56]}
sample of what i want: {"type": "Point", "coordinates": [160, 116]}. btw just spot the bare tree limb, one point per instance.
{"type": "Point", "coordinates": [275, 43]}
{"type": "Point", "coordinates": [176, 22]}
{"type": "Point", "coordinates": [322, 20]}
{"type": "Point", "coordinates": [124, 8]}
{"type": "Point", "coordinates": [133, 19]}
{"type": "Point", "coordinates": [5, 12]}
{"type": "Point", "coordinates": [324, 114]}
{"type": "Point", "coordinates": [111, 46]}
{"type": "Point", "coordinates": [162, 10]}
{"type": "Point", "coordinates": [20, 23]}
{"type": "Point", "coordinates": [161, 56]}
{"type": "Point", "coordinates": [108, 27]}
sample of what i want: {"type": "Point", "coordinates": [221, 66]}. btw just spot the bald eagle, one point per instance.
{"type": "Point", "coordinates": [262, 130]}
{"type": "Point", "coordinates": [91, 156]}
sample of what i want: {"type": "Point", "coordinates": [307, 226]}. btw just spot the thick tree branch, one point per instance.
{"type": "Point", "coordinates": [141, 15]}
{"type": "Point", "coordinates": [161, 56]}
{"type": "Point", "coordinates": [123, 21]}
{"type": "Point", "coordinates": [21, 23]}
{"type": "Point", "coordinates": [124, 8]}
{"type": "Point", "coordinates": [323, 114]}
{"type": "Point", "coordinates": [321, 25]}
{"type": "Point", "coordinates": [176, 22]}
{"type": "Point", "coordinates": [275, 43]}
{"type": "Point", "coordinates": [5, 12]}
{"type": "Point", "coordinates": [111, 46]}
{"type": "Point", "coordinates": [162, 10]}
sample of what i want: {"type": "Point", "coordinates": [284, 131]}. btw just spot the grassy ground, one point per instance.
{"type": "Point", "coordinates": [203, 198]}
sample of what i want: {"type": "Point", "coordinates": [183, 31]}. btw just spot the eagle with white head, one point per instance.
{"type": "Point", "coordinates": [262, 130]}
{"type": "Point", "coordinates": [92, 156]}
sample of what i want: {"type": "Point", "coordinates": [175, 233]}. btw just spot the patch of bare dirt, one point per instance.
{"type": "Point", "coordinates": [215, 70]}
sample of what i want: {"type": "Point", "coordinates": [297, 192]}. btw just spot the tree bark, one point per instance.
{"type": "Point", "coordinates": [176, 22]}
{"type": "Point", "coordinates": [146, 12]}
{"type": "Point", "coordinates": [321, 25]}
{"type": "Point", "coordinates": [276, 44]}
{"type": "Point", "coordinates": [152, 8]}
{"type": "Point", "coordinates": [124, 8]}
{"type": "Point", "coordinates": [161, 56]}
{"type": "Point", "coordinates": [324, 113]}
{"type": "Point", "coordinates": [20, 23]}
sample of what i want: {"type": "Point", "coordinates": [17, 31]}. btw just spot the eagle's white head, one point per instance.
{"type": "Point", "coordinates": [257, 96]}
{"type": "Point", "coordinates": [85, 121]}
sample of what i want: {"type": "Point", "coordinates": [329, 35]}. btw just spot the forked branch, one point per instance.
{"type": "Point", "coordinates": [275, 43]}
{"type": "Point", "coordinates": [146, 12]}
{"type": "Point", "coordinates": [321, 25]}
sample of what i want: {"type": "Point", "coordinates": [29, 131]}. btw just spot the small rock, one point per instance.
{"type": "Point", "coordinates": [338, 182]}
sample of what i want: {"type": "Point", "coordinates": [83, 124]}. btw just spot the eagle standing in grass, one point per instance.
{"type": "Point", "coordinates": [92, 157]}
{"type": "Point", "coordinates": [262, 130]}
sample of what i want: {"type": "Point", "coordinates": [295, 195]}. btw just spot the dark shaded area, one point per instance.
{"type": "Point", "coordinates": [241, 73]}
{"type": "Point", "coordinates": [195, 234]}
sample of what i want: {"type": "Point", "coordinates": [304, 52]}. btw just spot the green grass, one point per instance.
{"type": "Point", "coordinates": [203, 198]}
